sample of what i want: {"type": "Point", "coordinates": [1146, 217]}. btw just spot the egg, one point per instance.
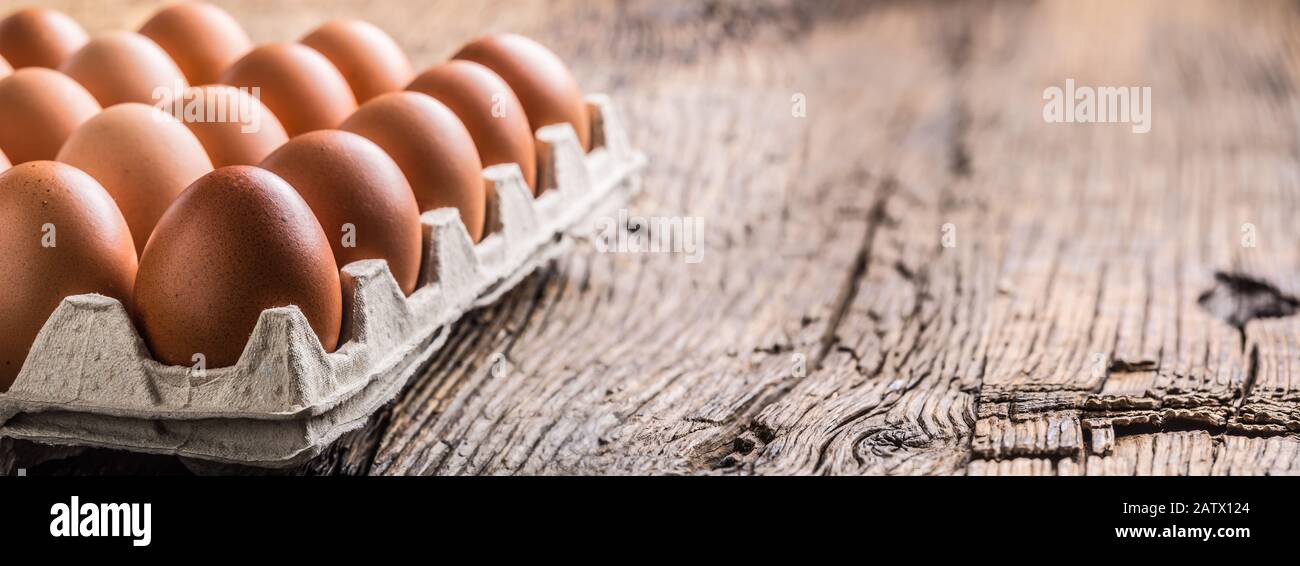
{"type": "Point", "coordinates": [304, 90]}
{"type": "Point", "coordinates": [5, 68]}
{"type": "Point", "coordinates": [39, 37]}
{"type": "Point", "coordinates": [203, 39]}
{"type": "Point", "coordinates": [4, 162]}
{"type": "Point", "coordinates": [369, 59]}
{"type": "Point", "coordinates": [63, 236]}
{"type": "Point", "coordinates": [125, 67]}
{"type": "Point", "coordinates": [549, 92]}
{"type": "Point", "coordinates": [234, 127]}
{"type": "Point", "coordinates": [360, 197]}
{"type": "Point", "coordinates": [434, 150]}
{"type": "Point", "coordinates": [143, 158]}
{"type": "Point", "coordinates": [490, 110]}
{"type": "Point", "coordinates": [39, 109]}
{"type": "Point", "coordinates": [238, 241]}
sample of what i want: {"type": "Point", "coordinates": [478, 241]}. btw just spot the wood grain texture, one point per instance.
{"type": "Point", "coordinates": [1097, 312]}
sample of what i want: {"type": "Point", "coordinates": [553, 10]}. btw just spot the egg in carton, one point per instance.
{"type": "Point", "coordinates": [89, 379]}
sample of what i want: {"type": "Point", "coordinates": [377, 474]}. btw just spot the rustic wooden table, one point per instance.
{"type": "Point", "coordinates": [906, 269]}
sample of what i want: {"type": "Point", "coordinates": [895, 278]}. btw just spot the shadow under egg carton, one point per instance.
{"type": "Point", "coordinates": [89, 379]}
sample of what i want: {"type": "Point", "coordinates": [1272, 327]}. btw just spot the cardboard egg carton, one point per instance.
{"type": "Point", "coordinates": [89, 379]}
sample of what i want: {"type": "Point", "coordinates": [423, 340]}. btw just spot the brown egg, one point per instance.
{"type": "Point", "coordinates": [434, 150]}
{"type": "Point", "coordinates": [143, 157]}
{"type": "Point", "coordinates": [39, 109]}
{"type": "Point", "coordinates": [490, 110]}
{"type": "Point", "coordinates": [542, 82]}
{"type": "Point", "coordinates": [203, 39]}
{"type": "Point", "coordinates": [371, 61]}
{"type": "Point", "coordinates": [304, 90]}
{"type": "Point", "coordinates": [125, 67]}
{"type": "Point", "coordinates": [360, 197]}
{"type": "Point", "coordinates": [234, 127]}
{"type": "Point", "coordinates": [239, 241]}
{"type": "Point", "coordinates": [5, 68]}
{"type": "Point", "coordinates": [39, 37]}
{"type": "Point", "coordinates": [63, 236]}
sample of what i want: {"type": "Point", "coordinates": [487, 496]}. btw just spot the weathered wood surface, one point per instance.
{"type": "Point", "coordinates": [1098, 312]}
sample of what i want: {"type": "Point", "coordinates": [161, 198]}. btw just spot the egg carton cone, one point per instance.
{"type": "Point", "coordinates": [89, 379]}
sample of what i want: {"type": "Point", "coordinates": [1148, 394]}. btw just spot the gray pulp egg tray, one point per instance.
{"type": "Point", "coordinates": [89, 379]}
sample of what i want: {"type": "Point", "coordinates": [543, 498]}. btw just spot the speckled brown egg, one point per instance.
{"type": "Point", "coordinates": [142, 157]}
{"type": "Point", "coordinates": [39, 37]}
{"type": "Point", "coordinates": [300, 86]}
{"type": "Point", "coordinates": [39, 109]}
{"type": "Point", "coordinates": [490, 110]}
{"type": "Point", "coordinates": [203, 39]}
{"type": "Point", "coordinates": [549, 92]}
{"type": "Point", "coordinates": [360, 197]}
{"type": "Point", "coordinates": [369, 59]}
{"type": "Point", "coordinates": [63, 236]}
{"type": "Point", "coordinates": [234, 127]}
{"type": "Point", "coordinates": [124, 67]}
{"type": "Point", "coordinates": [434, 150]}
{"type": "Point", "coordinates": [238, 241]}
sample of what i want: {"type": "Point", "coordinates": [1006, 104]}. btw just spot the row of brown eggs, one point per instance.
{"type": "Point", "coordinates": [197, 225]}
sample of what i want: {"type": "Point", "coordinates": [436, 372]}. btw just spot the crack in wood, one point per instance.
{"type": "Point", "coordinates": [877, 216]}
{"type": "Point", "coordinates": [1239, 299]}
